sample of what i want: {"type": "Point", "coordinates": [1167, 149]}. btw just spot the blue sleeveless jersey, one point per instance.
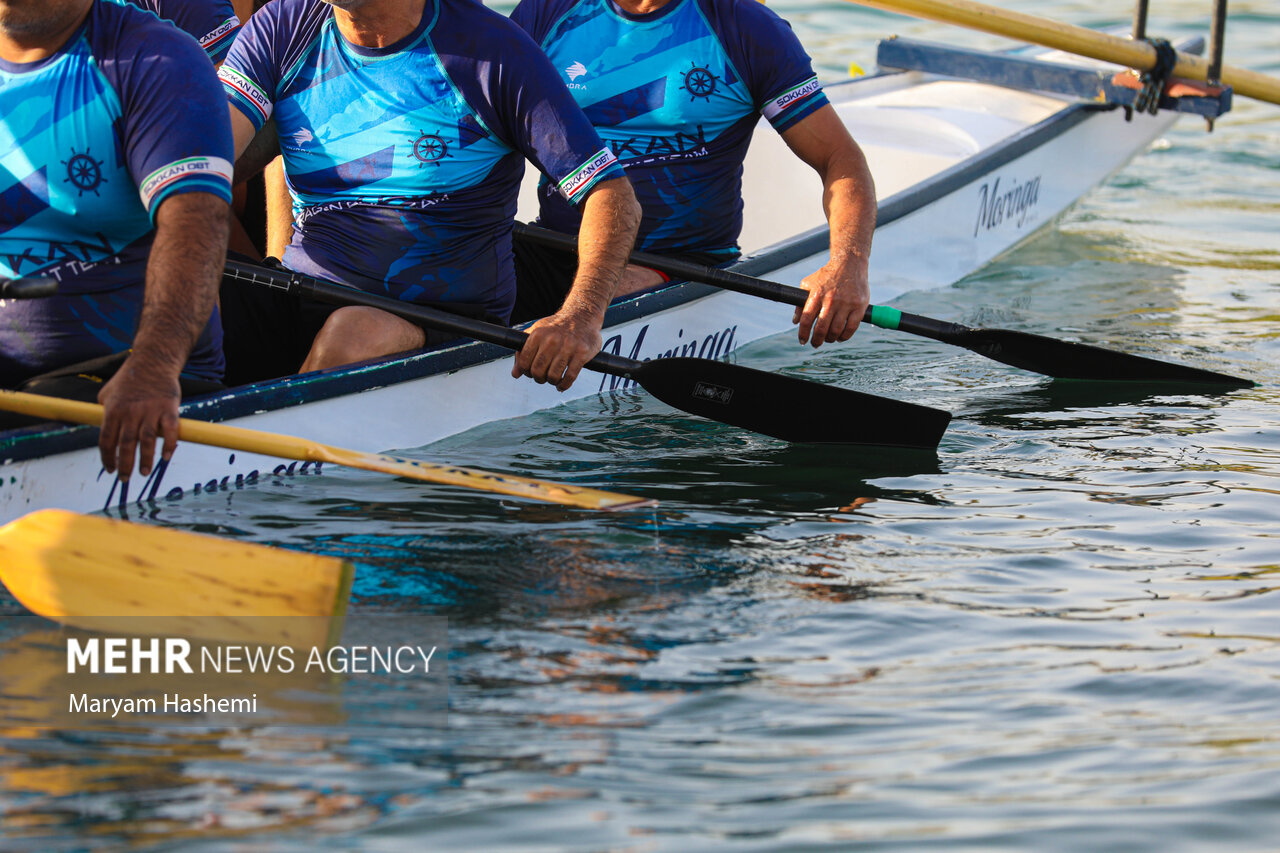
{"type": "Point", "coordinates": [213, 23]}
{"type": "Point", "coordinates": [404, 163]}
{"type": "Point", "coordinates": [92, 141]}
{"type": "Point", "coordinates": [676, 94]}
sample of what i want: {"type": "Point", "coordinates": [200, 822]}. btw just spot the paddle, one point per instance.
{"type": "Point", "coordinates": [27, 288]}
{"type": "Point", "coordinates": [1079, 40]}
{"type": "Point", "coordinates": [780, 406]}
{"type": "Point", "coordinates": [1039, 354]}
{"type": "Point", "coordinates": [288, 447]}
{"type": "Point", "coordinates": [114, 576]}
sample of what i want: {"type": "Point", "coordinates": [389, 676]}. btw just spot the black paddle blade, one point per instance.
{"type": "Point", "coordinates": [788, 408]}
{"type": "Point", "coordinates": [1068, 360]}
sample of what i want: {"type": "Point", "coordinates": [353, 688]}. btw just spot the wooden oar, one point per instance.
{"type": "Point", "coordinates": [1039, 354]}
{"type": "Point", "coordinates": [124, 578]}
{"type": "Point", "coordinates": [1078, 40]}
{"type": "Point", "coordinates": [780, 406]}
{"type": "Point", "coordinates": [288, 447]}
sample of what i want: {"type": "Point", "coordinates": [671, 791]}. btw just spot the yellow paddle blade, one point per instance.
{"type": "Point", "coordinates": [288, 447]}
{"type": "Point", "coordinates": [115, 576]}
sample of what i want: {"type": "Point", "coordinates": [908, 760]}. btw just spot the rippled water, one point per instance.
{"type": "Point", "coordinates": [1058, 633]}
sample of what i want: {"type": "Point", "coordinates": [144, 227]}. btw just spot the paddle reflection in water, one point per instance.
{"type": "Point", "coordinates": [1080, 405]}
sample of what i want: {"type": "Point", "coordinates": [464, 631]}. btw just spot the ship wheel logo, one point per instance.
{"type": "Point", "coordinates": [429, 148]}
{"type": "Point", "coordinates": [699, 82]}
{"type": "Point", "coordinates": [83, 172]}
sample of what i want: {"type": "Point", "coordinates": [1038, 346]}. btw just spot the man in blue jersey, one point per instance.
{"type": "Point", "coordinates": [676, 87]}
{"type": "Point", "coordinates": [213, 23]}
{"type": "Point", "coordinates": [404, 126]}
{"type": "Point", "coordinates": [115, 181]}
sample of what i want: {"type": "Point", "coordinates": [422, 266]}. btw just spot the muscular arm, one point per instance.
{"type": "Point", "coordinates": [254, 150]}
{"type": "Point", "coordinates": [279, 209]}
{"type": "Point", "coordinates": [559, 345]}
{"type": "Point", "coordinates": [838, 293]}
{"type": "Point", "coordinates": [183, 271]}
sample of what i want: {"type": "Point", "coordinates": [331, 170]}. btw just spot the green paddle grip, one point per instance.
{"type": "Point", "coordinates": [884, 316]}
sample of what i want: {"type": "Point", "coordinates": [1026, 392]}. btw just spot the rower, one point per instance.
{"type": "Point", "coordinates": [120, 194]}
{"type": "Point", "coordinates": [213, 23]}
{"type": "Point", "coordinates": [676, 87]}
{"type": "Point", "coordinates": [404, 125]}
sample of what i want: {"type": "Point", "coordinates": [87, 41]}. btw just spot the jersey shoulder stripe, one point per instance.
{"type": "Point", "coordinates": [213, 170]}
{"type": "Point", "coordinates": [575, 185]}
{"type": "Point", "coordinates": [216, 43]}
{"type": "Point", "coordinates": [247, 95]}
{"type": "Point", "coordinates": [793, 97]}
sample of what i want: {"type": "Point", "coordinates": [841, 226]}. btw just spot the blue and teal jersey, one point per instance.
{"type": "Point", "coordinates": [676, 94]}
{"type": "Point", "coordinates": [404, 163]}
{"type": "Point", "coordinates": [213, 23]}
{"type": "Point", "coordinates": [93, 140]}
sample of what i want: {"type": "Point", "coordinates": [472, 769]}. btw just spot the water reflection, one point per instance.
{"type": "Point", "coordinates": [159, 779]}
{"type": "Point", "coordinates": [1079, 403]}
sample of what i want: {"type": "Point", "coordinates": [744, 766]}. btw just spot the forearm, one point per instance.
{"type": "Point", "coordinates": [141, 401]}
{"type": "Point", "coordinates": [848, 191]}
{"type": "Point", "coordinates": [610, 219]}
{"type": "Point", "coordinates": [839, 291]}
{"type": "Point", "coordinates": [558, 346]}
{"type": "Point", "coordinates": [279, 209]}
{"type": "Point", "coordinates": [849, 201]}
{"type": "Point", "coordinates": [254, 150]}
{"type": "Point", "coordinates": [183, 272]}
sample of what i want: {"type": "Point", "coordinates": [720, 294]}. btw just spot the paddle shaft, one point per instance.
{"type": "Point", "coordinates": [784, 407]}
{"type": "Point", "coordinates": [335, 294]}
{"type": "Point", "coordinates": [1039, 354]}
{"type": "Point", "coordinates": [289, 447]}
{"type": "Point", "coordinates": [27, 288]}
{"type": "Point", "coordinates": [735, 281]}
{"type": "Point", "coordinates": [1078, 40]}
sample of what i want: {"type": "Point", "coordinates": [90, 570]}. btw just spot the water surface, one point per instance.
{"type": "Point", "coordinates": [1059, 632]}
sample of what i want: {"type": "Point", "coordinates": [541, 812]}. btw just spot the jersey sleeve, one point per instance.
{"type": "Point", "coordinates": [217, 40]}
{"type": "Point", "coordinates": [176, 132]}
{"type": "Point", "coordinates": [213, 23]}
{"type": "Point", "coordinates": [522, 98]}
{"type": "Point", "coordinates": [774, 64]}
{"type": "Point", "coordinates": [251, 74]}
{"type": "Point", "coordinates": [537, 17]}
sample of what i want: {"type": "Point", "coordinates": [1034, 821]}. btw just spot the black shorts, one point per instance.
{"type": "Point", "coordinates": [267, 333]}
{"type": "Point", "coordinates": [544, 276]}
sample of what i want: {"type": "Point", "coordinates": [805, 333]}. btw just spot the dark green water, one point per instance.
{"type": "Point", "coordinates": [1058, 633]}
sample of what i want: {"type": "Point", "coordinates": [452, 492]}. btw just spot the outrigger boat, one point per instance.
{"type": "Point", "coordinates": [971, 153]}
